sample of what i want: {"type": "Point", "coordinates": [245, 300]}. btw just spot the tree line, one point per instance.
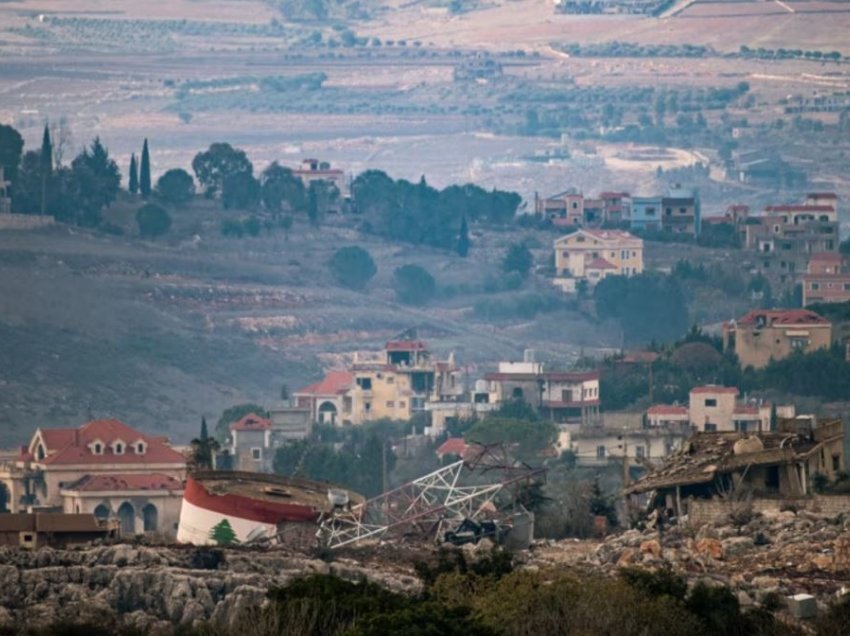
{"type": "Point", "coordinates": [395, 209]}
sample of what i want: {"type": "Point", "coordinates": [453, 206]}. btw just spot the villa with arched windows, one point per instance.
{"type": "Point", "coordinates": [103, 467]}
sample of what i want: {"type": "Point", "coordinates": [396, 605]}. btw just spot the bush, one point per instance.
{"type": "Point", "coordinates": [518, 259]}
{"type": "Point", "coordinates": [152, 220]}
{"type": "Point", "coordinates": [413, 285]}
{"type": "Point", "coordinates": [176, 187]}
{"type": "Point", "coordinates": [353, 267]}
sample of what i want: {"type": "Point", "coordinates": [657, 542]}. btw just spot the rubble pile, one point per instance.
{"type": "Point", "coordinates": [783, 553]}
{"type": "Point", "coordinates": [154, 588]}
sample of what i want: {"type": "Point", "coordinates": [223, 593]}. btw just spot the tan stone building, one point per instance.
{"type": "Point", "coordinates": [763, 335]}
{"type": "Point", "coordinates": [396, 383]}
{"type": "Point", "coordinates": [104, 467]}
{"type": "Point", "coordinates": [591, 255]}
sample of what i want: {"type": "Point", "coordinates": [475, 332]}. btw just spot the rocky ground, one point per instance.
{"type": "Point", "coordinates": [153, 588]}
{"type": "Point", "coordinates": [783, 553]}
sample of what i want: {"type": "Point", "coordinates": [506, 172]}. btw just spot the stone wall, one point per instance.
{"type": "Point", "coordinates": [24, 221]}
{"type": "Point", "coordinates": [702, 511]}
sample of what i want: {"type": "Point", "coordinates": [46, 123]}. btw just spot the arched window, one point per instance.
{"type": "Point", "coordinates": [101, 511]}
{"type": "Point", "coordinates": [40, 453]}
{"type": "Point", "coordinates": [127, 516]}
{"type": "Point", "coordinates": [150, 516]}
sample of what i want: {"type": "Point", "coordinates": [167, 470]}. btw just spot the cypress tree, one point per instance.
{"type": "Point", "coordinates": [145, 172]}
{"type": "Point", "coordinates": [463, 239]}
{"type": "Point", "coordinates": [46, 166]}
{"type": "Point", "coordinates": [204, 433]}
{"type": "Point", "coordinates": [133, 185]}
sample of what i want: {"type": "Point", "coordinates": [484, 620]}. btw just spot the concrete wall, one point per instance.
{"type": "Point", "coordinates": [702, 511]}
{"type": "Point", "coordinates": [24, 221]}
{"type": "Point", "coordinates": [756, 347]}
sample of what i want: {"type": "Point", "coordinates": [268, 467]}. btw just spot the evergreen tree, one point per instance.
{"type": "Point", "coordinates": [46, 167]}
{"type": "Point", "coordinates": [133, 185]}
{"type": "Point", "coordinates": [145, 172]}
{"type": "Point", "coordinates": [205, 435]}
{"type": "Point", "coordinates": [463, 239]}
{"type": "Point", "coordinates": [204, 449]}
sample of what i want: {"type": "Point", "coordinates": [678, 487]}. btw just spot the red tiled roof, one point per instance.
{"type": "Point", "coordinates": [124, 482]}
{"type": "Point", "coordinates": [613, 195]}
{"type": "Point", "coordinates": [800, 207]}
{"type": "Point", "coordinates": [605, 235]}
{"type": "Point", "coordinates": [821, 195]}
{"type": "Point", "coordinates": [745, 410]}
{"type": "Point", "coordinates": [405, 345]}
{"type": "Point", "coordinates": [600, 263]}
{"type": "Point", "coordinates": [826, 257]}
{"type": "Point", "coordinates": [56, 438]}
{"type": "Point", "coordinates": [783, 317]}
{"type": "Point", "coordinates": [251, 422]}
{"type": "Point", "coordinates": [333, 383]}
{"type": "Point", "coordinates": [554, 376]}
{"type": "Point", "coordinates": [640, 357]}
{"type": "Point", "coordinates": [715, 389]}
{"type": "Point", "coordinates": [452, 446]}
{"type": "Point", "coordinates": [107, 432]}
{"type": "Point", "coordinates": [667, 409]}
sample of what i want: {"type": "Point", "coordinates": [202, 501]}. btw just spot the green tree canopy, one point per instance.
{"type": "Point", "coordinates": [241, 191]}
{"type": "Point", "coordinates": [413, 284]}
{"type": "Point", "coordinates": [218, 162]}
{"type": "Point", "coordinates": [530, 438]}
{"type": "Point", "coordinates": [353, 267]}
{"type": "Point", "coordinates": [648, 306]}
{"type": "Point", "coordinates": [176, 186]}
{"type": "Point", "coordinates": [11, 149]}
{"type": "Point", "coordinates": [145, 172]}
{"type": "Point", "coordinates": [133, 179]}
{"type": "Point", "coordinates": [152, 220]}
{"type": "Point", "coordinates": [281, 187]}
{"type": "Point", "coordinates": [518, 259]}
{"type": "Point", "coordinates": [234, 414]}
{"type": "Point", "coordinates": [95, 181]}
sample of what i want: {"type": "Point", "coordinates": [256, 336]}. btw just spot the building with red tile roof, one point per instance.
{"type": "Point", "coordinates": [591, 255]}
{"type": "Point", "coordinates": [763, 335]}
{"type": "Point", "coordinates": [100, 452]}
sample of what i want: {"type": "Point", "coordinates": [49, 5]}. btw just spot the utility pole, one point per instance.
{"type": "Point", "coordinates": [650, 384]}
{"type": "Point", "coordinates": [625, 462]}
{"type": "Point", "coordinates": [384, 466]}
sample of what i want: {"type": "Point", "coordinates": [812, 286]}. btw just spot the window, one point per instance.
{"type": "Point", "coordinates": [390, 404]}
{"type": "Point", "coordinates": [669, 211]}
{"type": "Point", "coordinates": [846, 286]}
{"type": "Point", "coordinates": [741, 427]}
{"type": "Point", "coordinates": [710, 428]}
{"type": "Point", "coordinates": [816, 286]}
{"type": "Point", "coordinates": [97, 449]}
{"type": "Point", "coordinates": [402, 404]}
{"type": "Point", "coordinates": [640, 452]}
{"type": "Point", "coordinates": [710, 402]}
{"type": "Point", "coordinates": [683, 210]}
{"type": "Point", "coordinates": [118, 448]}
{"type": "Point", "coordinates": [256, 454]}
{"type": "Point", "coordinates": [140, 448]}
{"type": "Point", "coordinates": [799, 343]}
{"type": "Point", "coordinates": [624, 254]}
{"type": "Point", "coordinates": [390, 379]}
{"type": "Point", "coordinates": [600, 452]}
{"type": "Point", "coordinates": [836, 463]}
{"type": "Point", "coordinates": [367, 406]}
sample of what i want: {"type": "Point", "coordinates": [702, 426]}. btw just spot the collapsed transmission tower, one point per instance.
{"type": "Point", "coordinates": [422, 508]}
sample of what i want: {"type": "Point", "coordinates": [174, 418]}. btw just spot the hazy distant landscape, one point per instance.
{"type": "Point", "coordinates": [371, 89]}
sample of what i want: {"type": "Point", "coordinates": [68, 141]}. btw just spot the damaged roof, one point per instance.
{"type": "Point", "coordinates": [707, 455]}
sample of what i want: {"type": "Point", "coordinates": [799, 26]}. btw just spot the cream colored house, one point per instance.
{"type": "Point", "coordinates": [104, 467]}
{"type": "Point", "coordinates": [396, 383]}
{"type": "Point", "coordinates": [592, 255]}
{"type": "Point", "coordinates": [763, 335]}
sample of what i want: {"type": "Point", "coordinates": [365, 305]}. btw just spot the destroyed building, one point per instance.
{"type": "Point", "coordinates": [775, 465]}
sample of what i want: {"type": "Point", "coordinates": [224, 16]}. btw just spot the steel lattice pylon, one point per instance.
{"type": "Point", "coordinates": [420, 508]}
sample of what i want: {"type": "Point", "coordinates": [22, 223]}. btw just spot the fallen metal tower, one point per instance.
{"type": "Point", "coordinates": [421, 508]}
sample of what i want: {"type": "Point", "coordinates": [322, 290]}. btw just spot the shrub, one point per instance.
{"type": "Point", "coordinates": [152, 220]}
{"type": "Point", "coordinates": [353, 267]}
{"type": "Point", "coordinates": [413, 285]}
{"type": "Point", "coordinates": [176, 186]}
